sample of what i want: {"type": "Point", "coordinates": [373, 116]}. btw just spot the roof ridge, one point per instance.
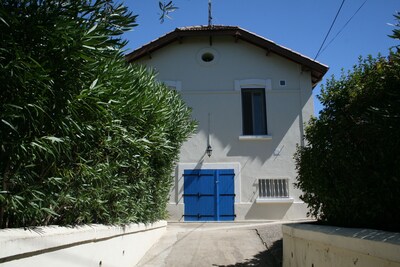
{"type": "Point", "coordinates": [208, 27]}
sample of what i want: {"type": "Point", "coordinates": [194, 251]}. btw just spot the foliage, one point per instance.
{"type": "Point", "coordinates": [85, 138]}
{"type": "Point", "coordinates": [349, 170]}
{"type": "Point", "coordinates": [166, 9]}
{"type": "Point", "coordinates": [396, 32]}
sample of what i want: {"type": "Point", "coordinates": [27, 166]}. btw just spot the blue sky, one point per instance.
{"type": "Point", "coordinates": [298, 25]}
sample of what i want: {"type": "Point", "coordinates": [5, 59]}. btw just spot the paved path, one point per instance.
{"type": "Point", "coordinates": [217, 244]}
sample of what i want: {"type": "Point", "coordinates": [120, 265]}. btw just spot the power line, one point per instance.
{"type": "Point", "coordinates": [344, 26]}
{"type": "Point", "coordinates": [330, 28]}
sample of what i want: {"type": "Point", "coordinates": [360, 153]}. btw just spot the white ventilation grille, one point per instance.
{"type": "Point", "coordinates": [273, 188]}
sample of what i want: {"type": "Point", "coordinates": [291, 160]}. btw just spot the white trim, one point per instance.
{"type": "Point", "coordinates": [254, 137]}
{"type": "Point", "coordinates": [177, 85]}
{"type": "Point", "coordinates": [275, 200]}
{"type": "Point", "coordinates": [253, 83]}
{"type": "Point", "coordinates": [181, 167]}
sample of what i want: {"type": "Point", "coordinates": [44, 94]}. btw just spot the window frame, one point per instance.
{"type": "Point", "coordinates": [265, 84]}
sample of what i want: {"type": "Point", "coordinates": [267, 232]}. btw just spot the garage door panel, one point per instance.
{"type": "Point", "coordinates": [226, 207]}
{"type": "Point", "coordinates": [207, 206]}
{"type": "Point", "coordinates": [209, 195]}
{"type": "Point", "coordinates": [191, 183]}
{"type": "Point", "coordinates": [206, 184]}
{"type": "Point", "coordinates": [226, 183]}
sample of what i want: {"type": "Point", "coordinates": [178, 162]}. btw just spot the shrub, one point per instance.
{"type": "Point", "coordinates": [349, 170]}
{"type": "Point", "coordinates": [85, 138]}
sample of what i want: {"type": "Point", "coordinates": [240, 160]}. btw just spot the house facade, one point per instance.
{"type": "Point", "coordinates": [251, 99]}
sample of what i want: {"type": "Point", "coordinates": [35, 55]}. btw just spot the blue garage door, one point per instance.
{"type": "Point", "coordinates": [209, 195]}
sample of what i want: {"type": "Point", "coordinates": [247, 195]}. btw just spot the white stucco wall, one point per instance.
{"type": "Point", "coordinates": [81, 246]}
{"type": "Point", "coordinates": [313, 245]}
{"type": "Point", "coordinates": [212, 91]}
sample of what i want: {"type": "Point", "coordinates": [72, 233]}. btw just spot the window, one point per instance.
{"type": "Point", "coordinates": [273, 188]}
{"type": "Point", "coordinates": [254, 113]}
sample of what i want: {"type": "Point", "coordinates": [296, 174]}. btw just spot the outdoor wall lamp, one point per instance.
{"type": "Point", "coordinates": [209, 150]}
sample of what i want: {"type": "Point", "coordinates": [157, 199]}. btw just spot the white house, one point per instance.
{"type": "Point", "coordinates": [251, 98]}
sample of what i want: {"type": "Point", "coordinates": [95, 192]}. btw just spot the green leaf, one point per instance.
{"type": "Point", "coordinates": [93, 84]}
{"type": "Point", "coordinates": [5, 22]}
{"type": "Point", "coordinates": [9, 125]}
{"type": "Point", "coordinates": [92, 29]}
{"type": "Point", "coordinates": [14, 106]}
{"type": "Point", "coordinates": [89, 47]}
{"type": "Point", "coordinates": [49, 211]}
{"type": "Point", "coordinates": [53, 139]}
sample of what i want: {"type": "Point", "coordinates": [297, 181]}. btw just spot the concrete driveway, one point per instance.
{"type": "Point", "coordinates": [217, 244]}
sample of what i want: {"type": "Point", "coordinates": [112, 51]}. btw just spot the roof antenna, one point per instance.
{"type": "Point", "coordinates": [209, 14]}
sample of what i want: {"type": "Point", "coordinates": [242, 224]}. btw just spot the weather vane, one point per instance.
{"type": "Point", "coordinates": [209, 13]}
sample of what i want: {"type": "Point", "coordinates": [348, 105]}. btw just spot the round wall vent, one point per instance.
{"type": "Point", "coordinates": [207, 56]}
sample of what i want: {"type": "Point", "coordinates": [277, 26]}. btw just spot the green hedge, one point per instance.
{"type": "Point", "coordinates": [349, 170]}
{"type": "Point", "coordinates": [85, 138]}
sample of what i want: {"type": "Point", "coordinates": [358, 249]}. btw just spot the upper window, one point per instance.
{"type": "Point", "coordinates": [254, 113]}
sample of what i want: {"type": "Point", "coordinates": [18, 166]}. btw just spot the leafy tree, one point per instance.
{"type": "Point", "coordinates": [84, 137]}
{"type": "Point", "coordinates": [349, 170]}
{"type": "Point", "coordinates": [396, 32]}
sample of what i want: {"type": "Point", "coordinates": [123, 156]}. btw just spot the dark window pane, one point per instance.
{"type": "Point", "coordinates": [254, 112]}
{"type": "Point", "coordinates": [259, 126]}
{"type": "Point", "coordinates": [247, 111]}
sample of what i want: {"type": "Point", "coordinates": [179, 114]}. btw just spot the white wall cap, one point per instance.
{"type": "Point", "coordinates": [255, 137]}
{"type": "Point", "coordinates": [275, 200]}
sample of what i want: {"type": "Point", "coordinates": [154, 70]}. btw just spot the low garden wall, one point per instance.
{"type": "Point", "coordinates": [314, 245]}
{"type": "Point", "coordinates": [91, 245]}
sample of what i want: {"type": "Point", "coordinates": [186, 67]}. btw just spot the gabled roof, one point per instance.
{"type": "Point", "coordinates": [317, 69]}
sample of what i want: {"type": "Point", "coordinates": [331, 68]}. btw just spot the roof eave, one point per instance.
{"type": "Point", "coordinates": [317, 69]}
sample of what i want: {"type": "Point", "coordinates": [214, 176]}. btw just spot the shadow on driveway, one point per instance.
{"type": "Point", "coordinates": [271, 257]}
